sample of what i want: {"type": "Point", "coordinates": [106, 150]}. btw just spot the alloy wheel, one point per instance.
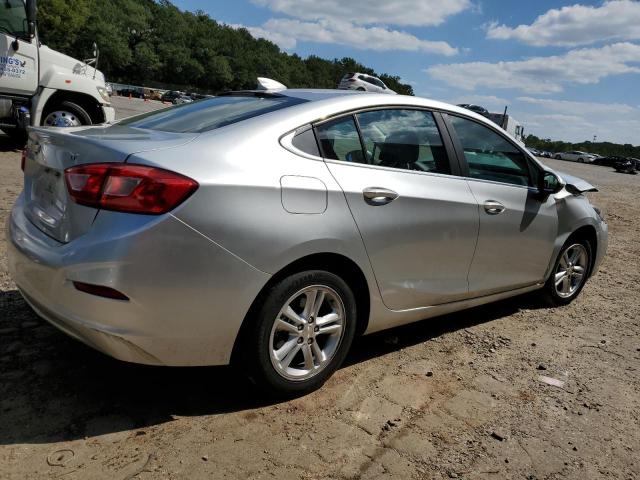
{"type": "Point", "coordinates": [571, 271]}
{"type": "Point", "coordinates": [307, 332]}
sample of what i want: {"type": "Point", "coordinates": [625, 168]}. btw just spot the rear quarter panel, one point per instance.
{"type": "Point", "coordinates": [239, 204]}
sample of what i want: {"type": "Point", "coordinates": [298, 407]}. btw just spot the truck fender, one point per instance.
{"type": "Point", "coordinates": [45, 96]}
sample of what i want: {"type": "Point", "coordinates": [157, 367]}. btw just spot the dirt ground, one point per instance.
{"type": "Point", "coordinates": [454, 397]}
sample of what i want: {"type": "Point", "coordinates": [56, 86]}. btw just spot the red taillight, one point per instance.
{"type": "Point", "coordinates": [351, 80]}
{"type": "Point", "coordinates": [128, 188]}
{"type": "Point", "coordinates": [23, 159]}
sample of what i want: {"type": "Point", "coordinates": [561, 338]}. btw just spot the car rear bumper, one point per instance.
{"type": "Point", "coordinates": [187, 296]}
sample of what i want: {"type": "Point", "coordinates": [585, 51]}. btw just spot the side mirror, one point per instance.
{"type": "Point", "coordinates": [32, 17]}
{"type": "Point", "coordinates": [549, 184]}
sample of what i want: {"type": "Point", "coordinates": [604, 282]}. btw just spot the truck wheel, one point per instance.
{"type": "Point", "coordinates": [66, 114]}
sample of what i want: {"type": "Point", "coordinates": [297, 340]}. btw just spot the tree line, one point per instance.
{"type": "Point", "coordinates": [153, 43]}
{"type": "Point", "coordinates": [605, 149]}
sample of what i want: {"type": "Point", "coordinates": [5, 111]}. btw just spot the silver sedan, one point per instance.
{"type": "Point", "coordinates": [268, 228]}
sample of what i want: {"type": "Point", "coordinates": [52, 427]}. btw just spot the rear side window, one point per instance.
{"type": "Point", "coordinates": [489, 155]}
{"type": "Point", "coordinates": [403, 138]}
{"type": "Point", "coordinates": [339, 140]}
{"type": "Point", "coordinates": [212, 113]}
{"type": "Point", "coordinates": [305, 141]}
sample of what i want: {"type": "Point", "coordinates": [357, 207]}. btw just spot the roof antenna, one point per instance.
{"type": "Point", "coordinates": [269, 84]}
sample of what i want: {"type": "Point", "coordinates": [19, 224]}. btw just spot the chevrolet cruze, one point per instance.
{"type": "Point", "coordinates": [268, 228]}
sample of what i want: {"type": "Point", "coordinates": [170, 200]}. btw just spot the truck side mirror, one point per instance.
{"type": "Point", "coordinates": [32, 17]}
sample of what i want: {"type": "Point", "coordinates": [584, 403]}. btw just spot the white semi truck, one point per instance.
{"type": "Point", "coordinates": [40, 86]}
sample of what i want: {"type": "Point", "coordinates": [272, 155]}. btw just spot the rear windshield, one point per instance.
{"type": "Point", "coordinates": [212, 113]}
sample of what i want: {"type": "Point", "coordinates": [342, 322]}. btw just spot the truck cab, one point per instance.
{"type": "Point", "coordinates": [40, 86]}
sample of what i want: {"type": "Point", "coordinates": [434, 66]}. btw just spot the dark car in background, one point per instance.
{"type": "Point", "coordinates": [131, 92]}
{"type": "Point", "coordinates": [475, 108]}
{"type": "Point", "coordinates": [609, 161]}
{"type": "Point", "coordinates": [627, 165]}
{"type": "Point", "coordinates": [171, 95]}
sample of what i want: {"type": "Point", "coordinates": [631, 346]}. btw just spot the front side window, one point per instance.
{"type": "Point", "coordinates": [403, 138]}
{"type": "Point", "coordinates": [489, 155]}
{"type": "Point", "coordinates": [13, 18]}
{"type": "Point", "coordinates": [339, 140]}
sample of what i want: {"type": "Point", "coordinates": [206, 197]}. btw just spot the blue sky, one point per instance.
{"type": "Point", "coordinates": [566, 70]}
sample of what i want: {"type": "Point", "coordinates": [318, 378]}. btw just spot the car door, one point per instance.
{"type": "Point", "coordinates": [18, 68]}
{"type": "Point", "coordinates": [518, 227]}
{"type": "Point", "coordinates": [418, 221]}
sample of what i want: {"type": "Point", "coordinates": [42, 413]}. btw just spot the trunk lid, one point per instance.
{"type": "Point", "coordinates": [51, 150]}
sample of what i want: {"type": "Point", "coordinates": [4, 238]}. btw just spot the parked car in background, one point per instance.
{"type": "Point", "coordinates": [609, 161]}
{"type": "Point", "coordinates": [131, 92]}
{"type": "Point", "coordinates": [363, 82]}
{"type": "Point", "coordinates": [546, 154]}
{"type": "Point", "coordinates": [534, 152]}
{"type": "Point", "coordinates": [171, 95]}
{"type": "Point", "coordinates": [175, 243]}
{"type": "Point", "coordinates": [475, 108]}
{"type": "Point", "coordinates": [626, 166]}
{"type": "Point", "coordinates": [182, 99]}
{"type": "Point", "coordinates": [575, 156]}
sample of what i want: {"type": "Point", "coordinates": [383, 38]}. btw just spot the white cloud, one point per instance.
{"type": "Point", "coordinates": [284, 41]}
{"type": "Point", "coordinates": [578, 121]}
{"type": "Point", "coordinates": [366, 12]}
{"type": "Point", "coordinates": [581, 108]}
{"type": "Point", "coordinates": [287, 32]}
{"type": "Point", "coordinates": [543, 74]}
{"type": "Point", "coordinates": [576, 25]}
{"type": "Point", "coordinates": [576, 128]}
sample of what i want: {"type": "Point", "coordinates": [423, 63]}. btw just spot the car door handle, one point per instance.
{"type": "Point", "coordinates": [493, 208]}
{"type": "Point", "coordinates": [379, 196]}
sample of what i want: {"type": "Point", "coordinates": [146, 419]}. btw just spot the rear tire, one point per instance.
{"type": "Point", "coordinates": [361, 89]}
{"type": "Point", "coordinates": [299, 338]}
{"type": "Point", "coordinates": [570, 273]}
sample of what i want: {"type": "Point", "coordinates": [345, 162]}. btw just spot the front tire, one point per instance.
{"type": "Point", "coordinates": [65, 114]}
{"type": "Point", "coordinates": [302, 333]}
{"type": "Point", "coordinates": [570, 273]}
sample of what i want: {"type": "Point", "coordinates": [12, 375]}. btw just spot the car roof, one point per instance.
{"type": "Point", "coordinates": [354, 99]}
{"type": "Point", "coordinates": [320, 104]}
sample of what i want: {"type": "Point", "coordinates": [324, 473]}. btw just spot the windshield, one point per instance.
{"type": "Point", "coordinates": [13, 18]}
{"type": "Point", "coordinates": [211, 113]}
